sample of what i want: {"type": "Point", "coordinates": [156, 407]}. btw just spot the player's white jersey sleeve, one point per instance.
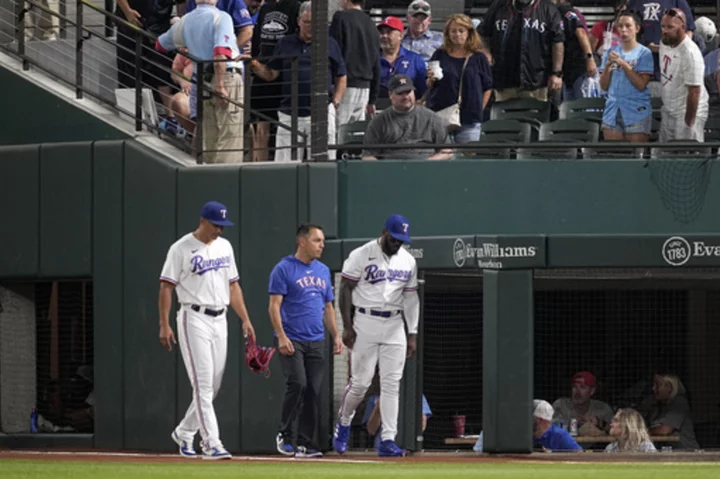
{"type": "Point", "coordinates": [234, 275]}
{"type": "Point", "coordinates": [412, 284]}
{"type": "Point", "coordinates": [173, 265]}
{"type": "Point", "coordinates": [353, 267]}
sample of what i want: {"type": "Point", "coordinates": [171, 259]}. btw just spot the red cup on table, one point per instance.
{"type": "Point", "coordinates": [459, 425]}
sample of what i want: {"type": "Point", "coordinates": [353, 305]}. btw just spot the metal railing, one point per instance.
{"type": "Point", "coordinates": [143, 45]}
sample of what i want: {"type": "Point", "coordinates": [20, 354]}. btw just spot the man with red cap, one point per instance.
{"type": "Point", "coordinates": [397, 60]}
{"type": "Point", "coordinates": [592, 416]}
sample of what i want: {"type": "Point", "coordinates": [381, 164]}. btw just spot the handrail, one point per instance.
{"type": "Point", "coordinates": [83, 33]}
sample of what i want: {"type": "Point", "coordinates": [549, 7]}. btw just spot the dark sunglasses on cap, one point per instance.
{"type": "Point", "coordinates": [421, 8]}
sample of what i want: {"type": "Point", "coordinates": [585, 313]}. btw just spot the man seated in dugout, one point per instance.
{"type": "Point", "coordinates": [546, 436]}
{"type": "Point", "coordinates": [593, 417]}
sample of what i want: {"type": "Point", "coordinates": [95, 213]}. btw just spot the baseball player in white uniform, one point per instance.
{"type": "Point", "coordinates": [379, 284]}
{"type": "Point", "coordinates": [201, 268]}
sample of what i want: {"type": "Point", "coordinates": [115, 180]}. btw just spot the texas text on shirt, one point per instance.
{"type": "Point", "coordinates": [381, 280]}
{"type": "Point", "coordinates": [201, 273]}
{"type": "Point", "coordinates": [237, 10]}
{"type": "Point", "coordinates": [206, 32]}
{"type": "Point", "coordinates": [306, 289]}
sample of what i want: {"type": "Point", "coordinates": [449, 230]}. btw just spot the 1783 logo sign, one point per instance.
{"type": "Point", "coordinates": [677, 251]}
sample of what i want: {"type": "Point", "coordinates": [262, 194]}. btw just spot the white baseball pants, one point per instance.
{"type": "Point", "coordinates": [383, 341]}
{"type": "Point", "coordinates": [203, 344]}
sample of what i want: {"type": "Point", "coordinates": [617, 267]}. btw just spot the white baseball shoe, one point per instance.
{"type": "Point", "coordinates": [186, 449]}
{"type": "Point", "coordinates": [216, 453]}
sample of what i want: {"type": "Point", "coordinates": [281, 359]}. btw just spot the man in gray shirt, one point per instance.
{"type": "Point", "coordinates": [406, 124]}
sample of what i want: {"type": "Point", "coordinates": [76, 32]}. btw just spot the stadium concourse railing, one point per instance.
{"type": "Point", "coordinates": [144, 40]}
{"type": "Point", "coordinates": [83, 32]}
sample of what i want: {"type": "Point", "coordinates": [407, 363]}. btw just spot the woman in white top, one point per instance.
{"type": "Point", "coordinates": [631, 435]}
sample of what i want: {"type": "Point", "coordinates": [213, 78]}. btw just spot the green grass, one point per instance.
{"type": "Point", "coordinates": [22, 469]}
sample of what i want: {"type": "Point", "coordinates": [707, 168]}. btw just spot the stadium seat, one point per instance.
{"type": "Point", "coordinates": [712, 130]}
{"type": "Point", "coordinates": [656, 103]}
{"type": "Point", "coordinates": [351, 134]}
{"type": "Point", "coordinates": [590, 109]}
{"type": "Point", "coordinates": [382, 104]}
{"type": "Point", "coordinates": [670, 152]}
{"type": "Point", "coordinates": [520, 108]}
{"type": "Point", "coordinates": [562, 131]}
{"type": "Point", "coordinates": [621, 153]}
{"type": "Point", "coordinates": [502, 131]}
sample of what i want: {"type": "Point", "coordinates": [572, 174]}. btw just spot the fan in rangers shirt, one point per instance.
{"type": "Point", "coordinates": [378, 288]}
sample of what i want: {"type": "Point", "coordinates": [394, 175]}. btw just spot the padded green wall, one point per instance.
{"type": "Point", "coordinates": [110, 210]}
{"type": "Point", "coordinates": [517, 197]}
{"type": "Point", "coordinates": [34, 115]}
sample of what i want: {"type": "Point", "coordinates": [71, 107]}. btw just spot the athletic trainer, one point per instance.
{"type": "Point", "coordinates": [301, 296]}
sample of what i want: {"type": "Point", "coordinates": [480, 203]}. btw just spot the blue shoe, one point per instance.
{"type": "Point", "coordinates": [185, 449]}
{"type": "Point", "coordinates": [303, 451]}
{"type": "Point", "coordinates": [283, 447]}
{"type": "Point", "coordinates": [216, 453]}
{"type": "Point", "coordinates": [390, 449]}
{"type": "Point", "coordinates": [378, 438]}
{"type": "Point", "coordinates": [341, 438]}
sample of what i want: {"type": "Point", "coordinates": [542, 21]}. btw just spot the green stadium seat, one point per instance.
{"type": "Point", "coordinates": [590, 109]}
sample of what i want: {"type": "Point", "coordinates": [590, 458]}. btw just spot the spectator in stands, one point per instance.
{"type": "Point", "coordinates": [604, 35]}
{"type": "Point", "coordinates": [593, 416]}
{"type": "Point", "coordinates": [242, 20]}
{"type": "Point", "coordinates": [707, 30]}
{"type": "Point", "coordinates": [153, 16]}
{"type": "Point", "coordinates": [652, 12]}
{"type": "Point", "coordinates": [405, 123]}
{"type": "Point", "coordinates": [552, 438]}
{"type": "Point", "coordinates": [276, 19]}
{"type": "Point", "coordinates": [41, 25]}
{"type": "Point", "coordinates": [208, 35]}
{"type": "Point", "coordinates": [181, 100]}
{"type": "Point", "coordinates": [419, 38]}
{"type": "Point", "coordinates": [626, 70]}
{"type": "Point", "coordinates": [685, 100]}
{"type": "Point", "coordinates": [578, 63]}
{"type": "Point", "coordinates": [359, 42]}
{"type": "Point", "coordinates": [397, 60]}
{"type": "Point", "coordinates": [671, 414]}
{"type": "Point", "coordinates": [463, 67]}
{"type": "Point", "coordinates": [526, 41]}
{"type": "Point", "coordinates": [631, 435]}
{"type": "Point", "coordinates": [712, 82]}
{"type": "Point", "coordinates": [299, 46]}
{"type": "Point", "coordinates": [254, 7]}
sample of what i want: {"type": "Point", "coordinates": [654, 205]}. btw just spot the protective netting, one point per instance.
{"type": "Point", "coordinates": [681, 182]}
{"type": "Point", "coordinates": [64, 325]}
{"type": "Point", "coordinates": [453, 335]}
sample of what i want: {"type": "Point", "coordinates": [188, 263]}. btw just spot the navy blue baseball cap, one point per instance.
{"type": "Point", "coordinates": [399, 228]}
{"type": "Point", "coordinates": [216, 213]}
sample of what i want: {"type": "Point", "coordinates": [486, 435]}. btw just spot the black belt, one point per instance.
{"type": "Point", "coordinates": [381, 314]}
{"type": "Point", "coordinates": [210, 312]}
{"type": "Point", "coordinates": [209, 75]}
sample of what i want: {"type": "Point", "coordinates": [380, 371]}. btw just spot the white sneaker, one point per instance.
{"type": "Point", "coordinates": [216, 453]}
{"type": "Point", "coordinates": [185, 449]}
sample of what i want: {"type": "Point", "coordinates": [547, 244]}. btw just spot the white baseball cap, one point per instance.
{"type": "Point", "coordinates": [542, 409]}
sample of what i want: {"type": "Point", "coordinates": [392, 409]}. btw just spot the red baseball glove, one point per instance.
{"type": "Point", "coordinates": [257, 357]}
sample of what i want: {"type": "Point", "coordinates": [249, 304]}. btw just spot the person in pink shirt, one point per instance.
{"type": "Point", "coordinates": [180, 102]}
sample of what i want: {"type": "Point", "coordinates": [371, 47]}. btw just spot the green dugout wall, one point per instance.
{"type": "Point", "coordinates": [110, 209]}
